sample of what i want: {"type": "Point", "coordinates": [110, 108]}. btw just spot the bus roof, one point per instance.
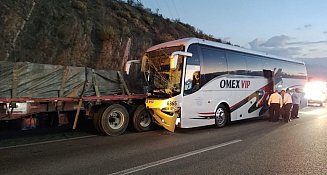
{"type": "Point", "coordinates": [188, 41]}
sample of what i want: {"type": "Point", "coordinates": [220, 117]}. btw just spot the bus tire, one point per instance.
{"type": "Point", "coordinates": [142, 119]}
{"type": "Point", "coordinates": [114, 120]}
{"type": "Point", "coordinates": [221, 116]}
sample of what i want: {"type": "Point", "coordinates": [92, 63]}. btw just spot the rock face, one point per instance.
{"type": "Point", "coordinates": [93, 33]}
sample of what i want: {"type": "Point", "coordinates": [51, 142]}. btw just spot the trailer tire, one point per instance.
{"type": "Point", "coordinates": [114, 120]}
{"type": "Point", "coordinates": [142, 120]}
{"type": "Point", "coordinates": [97, 119]}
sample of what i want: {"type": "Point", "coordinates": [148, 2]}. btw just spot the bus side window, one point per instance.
{"type": "Point", "coordinates": [236, 63]}
{"type": "Point", "coordinates": [214, 63]}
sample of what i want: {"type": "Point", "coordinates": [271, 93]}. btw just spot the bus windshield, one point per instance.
{"type": "Point", "coordinates": [163, 81]}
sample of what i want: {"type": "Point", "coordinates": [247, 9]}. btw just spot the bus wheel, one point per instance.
{"type": "Point", "coordinates": [114, 120]}
{"type": "Point", "coordinates": [142, 119]}
{"type": "Point", "coordinates": [221, 116]}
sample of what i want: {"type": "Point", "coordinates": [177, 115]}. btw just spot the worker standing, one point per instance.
{"type": "Point", "coordinates": [287, 105]}
{"type": "Point", "coordinates": [275, 103]}
{"type": "Point", "coordinates": [296, 97]}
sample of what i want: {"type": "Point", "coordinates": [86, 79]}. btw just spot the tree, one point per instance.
{"type": "Point", "coordinates": [130, 2]}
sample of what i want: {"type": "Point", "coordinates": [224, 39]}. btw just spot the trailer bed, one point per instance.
{"type": "Point", "coordinates": [75, 99]}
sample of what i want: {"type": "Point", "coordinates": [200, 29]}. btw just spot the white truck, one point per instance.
{"type": "Point", "coordinates": [316, 92]}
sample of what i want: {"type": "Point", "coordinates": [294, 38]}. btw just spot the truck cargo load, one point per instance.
{"type": "Point", "coordinates": [24, 79]}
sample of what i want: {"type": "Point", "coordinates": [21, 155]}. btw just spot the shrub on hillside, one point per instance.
{"type": "Point", "coordinates": [106, 33]}
{"type": "Point", "coordinates": [166, 37]}
{"type": "Point", "coordinates": [123, 14]}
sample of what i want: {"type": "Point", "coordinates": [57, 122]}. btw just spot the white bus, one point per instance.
{"type": "Point", "coordinates": [194, 82]}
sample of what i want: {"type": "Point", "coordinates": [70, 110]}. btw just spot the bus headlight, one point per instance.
{"type": "Point", "coordinates": [170, 110]}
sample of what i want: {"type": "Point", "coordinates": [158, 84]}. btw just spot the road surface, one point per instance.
{"type": "Point", "coordinates": [247, 147]}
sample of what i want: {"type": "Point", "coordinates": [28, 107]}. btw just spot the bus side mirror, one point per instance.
{"type": "Point", "coordinates": [174, 58]}
{"type": "Point", "coordinates": [173, 62]}
{"type": "Point", "coordinates": [128, 65]}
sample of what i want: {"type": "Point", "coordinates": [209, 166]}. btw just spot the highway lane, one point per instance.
{"type": "Point", "coordinates": [247, 147]}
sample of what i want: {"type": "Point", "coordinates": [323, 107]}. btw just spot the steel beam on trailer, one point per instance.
{"type": "Point", "coordinates": [73, 99]}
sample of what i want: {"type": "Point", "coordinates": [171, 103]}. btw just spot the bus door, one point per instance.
{"type": "Point", "coordinates": [193, 100]}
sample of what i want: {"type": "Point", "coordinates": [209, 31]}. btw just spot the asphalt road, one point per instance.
{"type": "Point", "coordinates": [247, 147]}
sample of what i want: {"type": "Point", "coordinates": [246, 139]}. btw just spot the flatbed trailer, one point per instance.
{"type": "Point", "coordinates": [111, 99]}
{"type": "Point", "coordinates": [110, 114]}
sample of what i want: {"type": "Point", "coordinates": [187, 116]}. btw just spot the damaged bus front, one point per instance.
{"type": "Point", "coordinates": [163, 67]}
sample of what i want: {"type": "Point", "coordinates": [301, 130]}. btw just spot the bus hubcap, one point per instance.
{"type": "Point", "coordinates": [220, 116]}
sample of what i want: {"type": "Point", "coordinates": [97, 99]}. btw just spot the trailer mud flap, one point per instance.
{"type": "Point", "coordinates": [165, 120]}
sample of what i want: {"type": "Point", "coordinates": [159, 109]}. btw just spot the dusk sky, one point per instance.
{"type": "Point", "coordinates": [293, 29]}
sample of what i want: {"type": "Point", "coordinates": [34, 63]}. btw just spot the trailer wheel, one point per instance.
{"type": "Point", "coordinates": [221, 116]}
{"type": "Point", "coordinates": [97, 119]}
{"type": "Point", "coordinates": [142, 120]}
{"type": "Point", "coordinates": [114, 120]}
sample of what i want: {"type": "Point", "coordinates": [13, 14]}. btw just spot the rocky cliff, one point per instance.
{"type": "Point", "coordinates": [100, 34]}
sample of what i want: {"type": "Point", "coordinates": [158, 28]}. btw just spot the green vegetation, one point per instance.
{"type": "Point", "coordinates": [107, 33]}
{"type": "Point", "coordinates": [91, 33]}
